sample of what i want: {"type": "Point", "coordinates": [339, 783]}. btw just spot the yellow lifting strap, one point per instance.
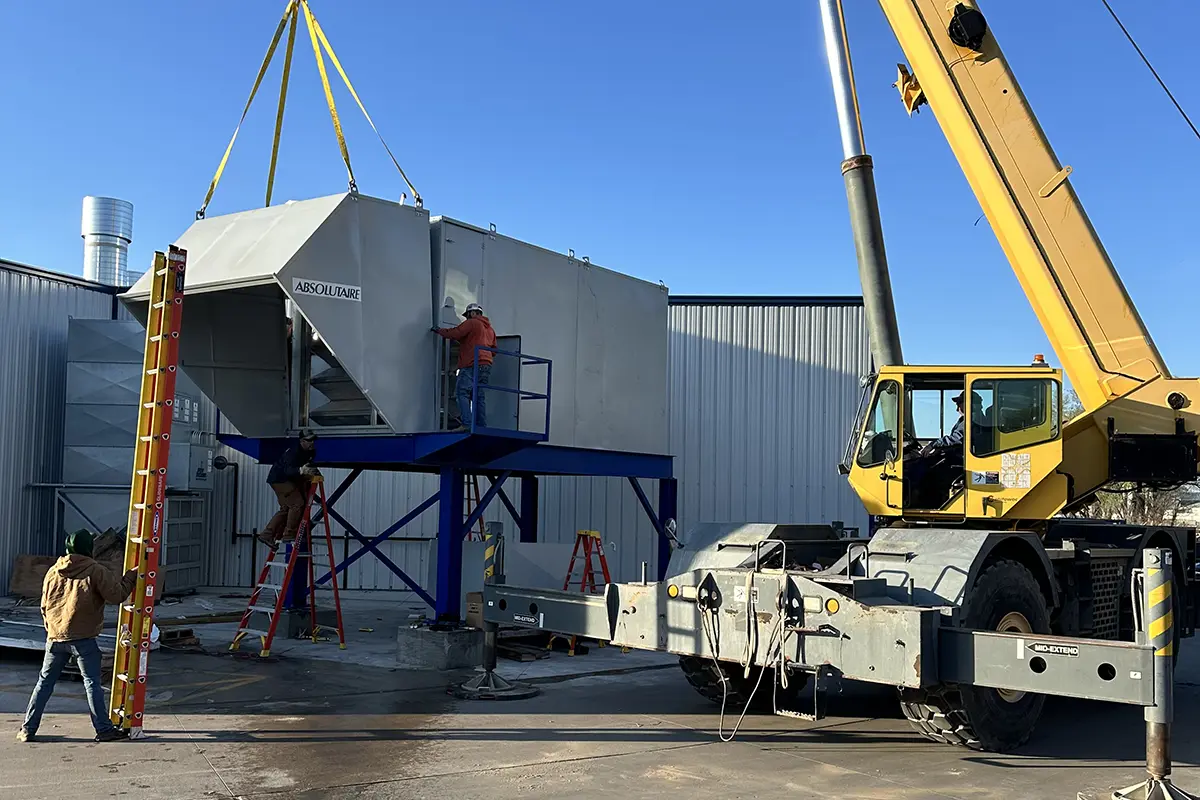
{"type": "Point", "coordinates": [262, 71]}
{"type": "Point", "coordinates": [318, 33]}
{"type": "Point", "coordinates": [283, 87]}
{"type": "Point", "coordinates": [333, 114]}
{"type": "Point", "coordinates": [291, 15]}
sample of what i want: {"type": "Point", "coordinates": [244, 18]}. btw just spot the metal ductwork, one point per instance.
{"type": "Point", "coordinates": [107, 230]}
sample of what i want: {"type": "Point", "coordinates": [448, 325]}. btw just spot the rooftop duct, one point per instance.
{"type": "Point", "coordinates": [107, 230]}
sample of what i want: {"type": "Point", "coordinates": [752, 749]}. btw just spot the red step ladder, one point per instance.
{"type": "Point", "coordinates": [302, 548]}
{"type": "Point", "coordinates": [590, 544]}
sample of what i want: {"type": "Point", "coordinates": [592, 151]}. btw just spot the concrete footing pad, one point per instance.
{"type": "Point", "coordinates": [436, 649]}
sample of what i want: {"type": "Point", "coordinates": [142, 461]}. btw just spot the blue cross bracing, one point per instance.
{"type": "Point", "coordinates": [497, 454]}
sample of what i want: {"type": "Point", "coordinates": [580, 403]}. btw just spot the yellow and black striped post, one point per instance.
{"type": "Point", "coordinates": [491, 552]}
{"type": "Point", "coordinates": [1158, 631]}
{"type": "Point", "coordinates": [1160, 634]}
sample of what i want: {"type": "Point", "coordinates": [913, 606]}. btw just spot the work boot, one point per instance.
{"type": "Point", "coordinates": [25, 736]}
{"type": "Point", "coordinates": [112, 735]}
{"type": "Point", "coordinates": [266, 539]}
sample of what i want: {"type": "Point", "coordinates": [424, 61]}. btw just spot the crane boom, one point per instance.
{"type": "Point", "coordinates": [1026, 193]}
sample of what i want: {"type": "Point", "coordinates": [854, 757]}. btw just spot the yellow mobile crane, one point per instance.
{"type": "Point", "coordinates": [977, 596]}
{"type": "Point", "coordinates": [1018, 464]}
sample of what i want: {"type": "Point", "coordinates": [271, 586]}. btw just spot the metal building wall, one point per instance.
{"type": "Point", "coordinates": [35, 307]}
{"type": "Point", "coordinates": [761, 394]}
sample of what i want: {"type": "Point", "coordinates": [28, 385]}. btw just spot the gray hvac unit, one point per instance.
{"type": "Point", "coordinates": [362, 281]}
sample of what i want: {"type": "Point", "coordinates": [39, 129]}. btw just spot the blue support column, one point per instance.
{"type": "Point", "coordinates": [297, 589]}
{"type": "Point", "coordinates": [668, 509]}
{"type": "Point", "coordinates": [529, 508]}
{"type": "Point", "coordinates": [448, 592]}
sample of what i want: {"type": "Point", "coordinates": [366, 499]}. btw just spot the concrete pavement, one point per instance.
{"type": "Point", "coordinates": [296, 727]}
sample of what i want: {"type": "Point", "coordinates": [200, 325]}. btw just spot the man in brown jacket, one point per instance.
{"type": "Point", "coordinates": [73, 596]}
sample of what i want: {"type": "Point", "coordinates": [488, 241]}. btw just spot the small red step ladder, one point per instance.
{"type": "Point", "coordinates": [590, 544]}
{"type": "Point", "coordinates": [301, 548]}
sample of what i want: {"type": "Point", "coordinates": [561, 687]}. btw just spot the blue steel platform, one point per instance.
{"type": "Point", "coordinates": [486, 450]}
{"type": "Point", "coordinates": [495, 454]}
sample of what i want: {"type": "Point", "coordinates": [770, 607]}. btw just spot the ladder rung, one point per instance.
{"type": "Point", "coordinates": [121, 676]}
{"type": "Point", "coordinates": [270, 586]}
{"type": "Point", "coordinates": [135, 539]}
{"type": "Point", "coordinates": [277, 564]}
{"type": "Point", "coordinates": [254, 631]}
{"type": "Point", "coordinates": [263, 609]}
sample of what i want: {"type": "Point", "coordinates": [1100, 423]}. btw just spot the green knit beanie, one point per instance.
{"type": "Point", "coordinates": [80, 542]}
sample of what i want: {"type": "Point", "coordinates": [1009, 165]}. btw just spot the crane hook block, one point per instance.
{"type": "Point", "coordinates": [967, 27]}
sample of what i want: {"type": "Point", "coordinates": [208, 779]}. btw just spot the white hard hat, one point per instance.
{"type": "Point", "coordinates": [473, 307]}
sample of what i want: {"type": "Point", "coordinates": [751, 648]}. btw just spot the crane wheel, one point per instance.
{"type": "Point", "coordinates": [702, 674]}
{"type": "Point", "coordinates": [1007, 598]}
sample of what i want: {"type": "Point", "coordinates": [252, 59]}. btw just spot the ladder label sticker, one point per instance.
{"type": "Point", "coordinates": [527, 619]}
{"type": "Point", "coordinates": [337, 291]}
{"type": "Point", "coordinates": [1049, 649]}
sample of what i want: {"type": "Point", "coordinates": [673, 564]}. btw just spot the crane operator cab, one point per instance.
{"type": "Point", "coordinates": [958, 443]}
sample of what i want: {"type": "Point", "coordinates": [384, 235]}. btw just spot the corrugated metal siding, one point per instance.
{"type": "Point", "coordinates": [761, 397]}
{"type": "Point", "coordinates": [761, 400]}
{"type": "Point", "coordinates": [34, 310]}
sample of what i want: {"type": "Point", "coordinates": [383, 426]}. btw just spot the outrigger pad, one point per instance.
{"type": "Point", "coordinates": [490, 686]}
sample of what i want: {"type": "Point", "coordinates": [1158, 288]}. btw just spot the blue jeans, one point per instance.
{"type": "Point", "coordinates": [87, 656]}
{"type": "Point", "coordinates": [463, 392]}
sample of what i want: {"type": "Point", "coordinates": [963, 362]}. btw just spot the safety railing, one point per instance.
{"type": "Point", "coordinates": [522, 395]}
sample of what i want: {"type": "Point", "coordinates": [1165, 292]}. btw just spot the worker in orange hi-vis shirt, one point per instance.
{"type": "Point", "coordinates": [475, 331]}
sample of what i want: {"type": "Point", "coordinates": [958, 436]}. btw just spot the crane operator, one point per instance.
{"type": "Point", "coordinates": [931, 470]}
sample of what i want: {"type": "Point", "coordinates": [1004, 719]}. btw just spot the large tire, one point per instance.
{"type": "Point", "coordinates": [704, 677]}
{"type": "Point", "coordinates": [1005, 597]}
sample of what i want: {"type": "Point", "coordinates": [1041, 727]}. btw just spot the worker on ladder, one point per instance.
{"type": "Point", "coordinates": [289, 480]}
{"type": "Point", "coordinates": [476, 331]}
{"type": "Point", "coordinates": [74, 592]}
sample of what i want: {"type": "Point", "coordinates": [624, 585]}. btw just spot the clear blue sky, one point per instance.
{"type": "Point", "coordinates": [693, 143]}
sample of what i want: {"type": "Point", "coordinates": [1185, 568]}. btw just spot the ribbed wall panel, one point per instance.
{"type": "Point", "coordinates": [34, 310]}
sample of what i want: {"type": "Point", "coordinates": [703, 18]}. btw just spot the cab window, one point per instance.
{"type": "Point", "coordinates": [882, 429]}
{"type": "Point", "coordinates": [1015, 412]}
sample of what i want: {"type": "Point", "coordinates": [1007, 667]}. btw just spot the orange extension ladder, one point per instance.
{"type": "Point", "coordinates": [148, 491]}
